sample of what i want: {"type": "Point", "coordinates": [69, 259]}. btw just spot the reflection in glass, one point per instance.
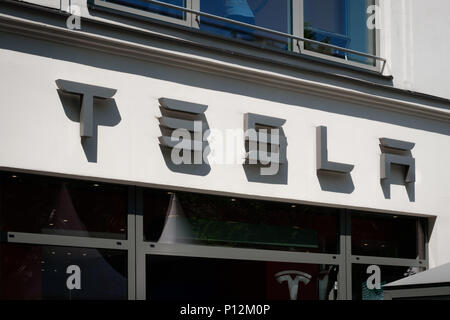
{"type": "Point", "coordinates": [144, 5]}
{"type": "Point", "coordinates": [39, 204]}
{"type": "Point", "coordinates": [47, 272]}
{"type": "Point", "coordinates": [270, 14]}
{"type": "Point", "coordinates": [387, 236]}
{"type": "Point", "coordinates": [388, 274]}
{"type": "Point", "coordinates": [341, 23]}
{"type": "Point", "coordinates": [215, 220]}
{"type": "Point", "coordinates": [181, 278]}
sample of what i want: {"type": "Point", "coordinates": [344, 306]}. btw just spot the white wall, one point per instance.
{"type": "Point", "coordinates": [36, 134]}
{"type": "Point", "coordinates": [415, 40]}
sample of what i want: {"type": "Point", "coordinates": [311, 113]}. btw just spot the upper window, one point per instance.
{"type": "Point", "coordinates": [151, 10]}
{"type": "Point", "coordinates": [341, 23]}
{"type": "Point", "coordinates": [270, 14]}
{"type": "Point", "coordinates": [157, 9]}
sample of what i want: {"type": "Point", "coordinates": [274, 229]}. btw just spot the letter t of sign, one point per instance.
{"type": "Point", "coordinates": [87, 93]}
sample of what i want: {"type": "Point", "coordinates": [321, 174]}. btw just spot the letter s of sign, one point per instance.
{"type": "Point", "coordinates": [74, 280]}
{"type": "Point", "coordinates": [374, 280]}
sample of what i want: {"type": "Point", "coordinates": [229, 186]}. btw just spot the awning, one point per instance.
{"type": "Point", "coordinates": [436, 276]}
{"type": "Point", "coordinates": [433, 284]}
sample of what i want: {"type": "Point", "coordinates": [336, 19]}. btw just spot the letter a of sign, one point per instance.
{"type": "Point", "coordinates": [74, 280]}
{"type": "Point", "coordinates": [390, 158]}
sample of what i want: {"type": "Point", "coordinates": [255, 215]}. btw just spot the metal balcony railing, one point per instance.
{"type": "Point", "coordinates": [270, 31]}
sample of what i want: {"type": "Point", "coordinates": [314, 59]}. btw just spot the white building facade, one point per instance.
{"type": "Point", "coordinates": [361, 193]}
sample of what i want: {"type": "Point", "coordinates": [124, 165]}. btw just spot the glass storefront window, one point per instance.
{"type": "Point", "coordinates": [67, 207]}
{"type": "Point", "coordinates": [154, 8]}
{"type": "Point", "coordinates": [181, 278]}
{"type": "Point", "coordinates": [341, 23]}
{"type": "Point", "coordinates": [363, 279]}
{"type": "Point", "coordinates": [39, 204]}
{"type": "Point", "coordinates": [387, 236]}
{"type": "Point", "coordinates": [191, 218]}
{"type": "Point", "coordinates": [52, 272]}
{"type": "Point", "coordinates": [270, 14]}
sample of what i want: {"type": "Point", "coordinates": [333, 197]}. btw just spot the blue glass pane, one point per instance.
{"type": "Point", "coordinates": [342, 23]}
{"type": "Point", "coordinates": [143, 5]}
{"type": "Point", "coordinates": [271, 14]}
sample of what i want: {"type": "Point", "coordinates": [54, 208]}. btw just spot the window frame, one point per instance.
{"type": "Point", "coordinates": [70, 243]}
{"type": "Point", "coordinates": [298, 26]}
{"type": "Point", "coordinates": [125, 245]}
{"type": "Point", "coordinates": [189, 21]}
{"type": "Point", "coordinates": [138, 248]}
{"type": "Point", "coordinates": [146, 247]}
{"type": "Point", "coordinates": [297, 22]}
{"type": "Point", "coordinates": [351, 259]}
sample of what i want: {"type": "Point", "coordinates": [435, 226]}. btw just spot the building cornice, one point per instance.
{"type": "Point", "coordinates": [134, 50]}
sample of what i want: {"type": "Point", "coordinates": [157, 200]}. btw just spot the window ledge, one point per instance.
{"type": "Point", "coordinates": [308, 60]}
{"type": "Point", "coordinates": [125, 40]}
